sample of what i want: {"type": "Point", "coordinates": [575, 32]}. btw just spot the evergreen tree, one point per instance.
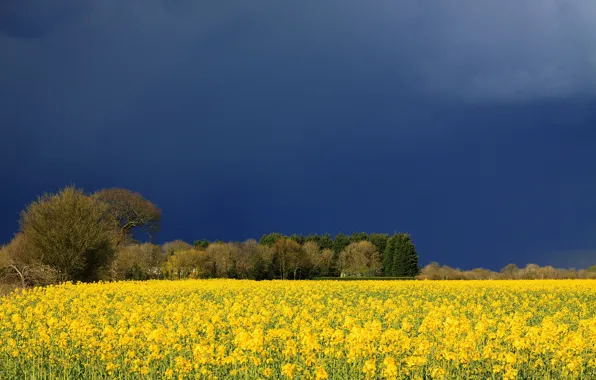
{"type": "Point", "coordinates": [201, 244]}
{"type": "Point", "coordinates": [388, 253]}
{"type": "Point", "coordinates": [379, 241]}
{"type": "Point", "coordinates": [403, 255]}
{"type": "Point", "coordinates": [340, 243]}
{"type": "Point", "coordinates": [270, 239]}
{"type": "Point", "coordinates": [300, 239]}
{"type": "Point", "coordinates": [325, 242]}
{"type": "Point", "coordinates": [357, 237]}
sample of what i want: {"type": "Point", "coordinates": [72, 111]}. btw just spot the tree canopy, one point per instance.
{"type": "Point", "coordinates": [70, 232]}
{"type": "Point", "coordinates": [131, 211]}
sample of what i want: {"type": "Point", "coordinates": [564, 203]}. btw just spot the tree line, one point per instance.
{"type": "Point", "coordinates": [75, 236]}
{"type": "Point", "coordinates": [435, 271]}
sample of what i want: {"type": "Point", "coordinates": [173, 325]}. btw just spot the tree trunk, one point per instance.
{"type": "Point", "coordinates": [19, 273]}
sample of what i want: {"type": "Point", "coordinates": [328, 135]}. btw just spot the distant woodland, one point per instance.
{"type": "Point", "coordinates": [75, 236]}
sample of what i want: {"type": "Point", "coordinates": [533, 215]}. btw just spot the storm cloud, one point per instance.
{"type": "Point", "coordinates": [468, 50]}
{"type": "Point", "coordinates": [468, 118]}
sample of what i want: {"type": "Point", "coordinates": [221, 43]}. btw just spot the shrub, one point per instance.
{"type": "Point", "coordinates": [70, 232]}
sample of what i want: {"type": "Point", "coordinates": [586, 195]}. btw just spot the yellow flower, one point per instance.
{"type": "Point", "coordinates": [370, 367]}
{"type": "Point", "coordinates": [238, 328]}
{"type": "Point", "coordinates": [389, 368]}
{"type": "Point", "coordinates": [320, 373]}
{"type": "Point", "coordinates": [288, 369]}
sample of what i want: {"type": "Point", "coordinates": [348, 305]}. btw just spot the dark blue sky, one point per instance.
{"type": "Point", "coordinates": [470, 124]}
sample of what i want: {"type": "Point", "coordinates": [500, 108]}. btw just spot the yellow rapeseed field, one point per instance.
{"type": "Point", "coordinates": [301, 329]}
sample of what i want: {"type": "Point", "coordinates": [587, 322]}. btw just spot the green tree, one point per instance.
{"type": "Point", "coordinates": [262, 263]}
{"type": "Point", "coordinates": [324, 241]}
{"type": "Point", "coordinates": [312, 237]}
{"type": "Point", "coordinates": [358, 237]}
{"type": "Point", "coordinates": [300, 239]}
{"type": "Point", "coordinates": [400, 258]}
{"type": "Point", "coordinates": [388, 254]}
{"type": "Point", "coordinates": [131, 211]}
{"type": "Point", "coordinates": [270, 239]}
{"type": "Point", "coordinates": [340, 243]}
{"type": "Point", "coordinates": [201, 244]}
{"type": "Point", "coordinates": [379, 241]}
{"type": "Point", "coordinates": [70, 232]}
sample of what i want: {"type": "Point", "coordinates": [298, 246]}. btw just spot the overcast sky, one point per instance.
{"type": "Point", "coordinates": [470, 124]}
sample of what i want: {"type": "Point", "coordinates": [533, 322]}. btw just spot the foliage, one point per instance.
{"type": "Point", "coordinates": [400, 258]}
{"type": "Point", "coordinates": [172, 247]}
{"type": "Point", "coordinates": [223, 257]}
{"type": "Point", "coordinates": [130, 210]}
{"type": "Point", "coordinates": [314, 258]}
{"type": "Point", "coordinates": [270, 239]}
{"type": "Point", "coordinates": [360, 259]}
{"type": "Point", "coordinates": [70, 232]}
{"type": "Point", "coordinates": [340, 243]}
{"type": "Point", "coordinates": [18, 265]}
{"type": "Point", "coordinates": [358, 237]}
{"type": "Point", "coordinates": [201, 244]}
{"type": "Point", "coordinates": [305, 261]}
{"type": "Point", "coordinates": [191, 263]}
{"type": "Point", "coordinates": [324, 241]}
{"type": "Point", "coordinates": [300, 239]}
{"type": "Point", "coordinates": [288, 257]}
{"type": "Point", "coordinates": [434, 271]}
{"type": "Point", "coordinates": [138, 262]}
{"type": "Point", "coordinates": [309, 330]}
{"type": "Point", "coordinates": [379, 241]}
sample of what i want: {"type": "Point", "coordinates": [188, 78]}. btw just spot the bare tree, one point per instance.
{"type": "Point", "coordinates": [172, 247]}
{"type": "Point", "coordinates": [286, 255]}
{"type": "Point", "coordinates": [138, 261]}
{"type": "Point", "coordinates": [263, 266]}
{"type": "Point", "coordinates": [360, 259]}
{"type": "Point", "coordinates": [326, 262]}
{"type": "Point", "coordinates": [313, 257]}
{"type": "Point", "coordinates": [223, 257]}
{"type": "Point", "coordinates": [247, 256]}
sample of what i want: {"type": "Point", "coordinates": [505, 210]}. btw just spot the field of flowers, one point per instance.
{"type": "Point", "coordinates": [300, 329]}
